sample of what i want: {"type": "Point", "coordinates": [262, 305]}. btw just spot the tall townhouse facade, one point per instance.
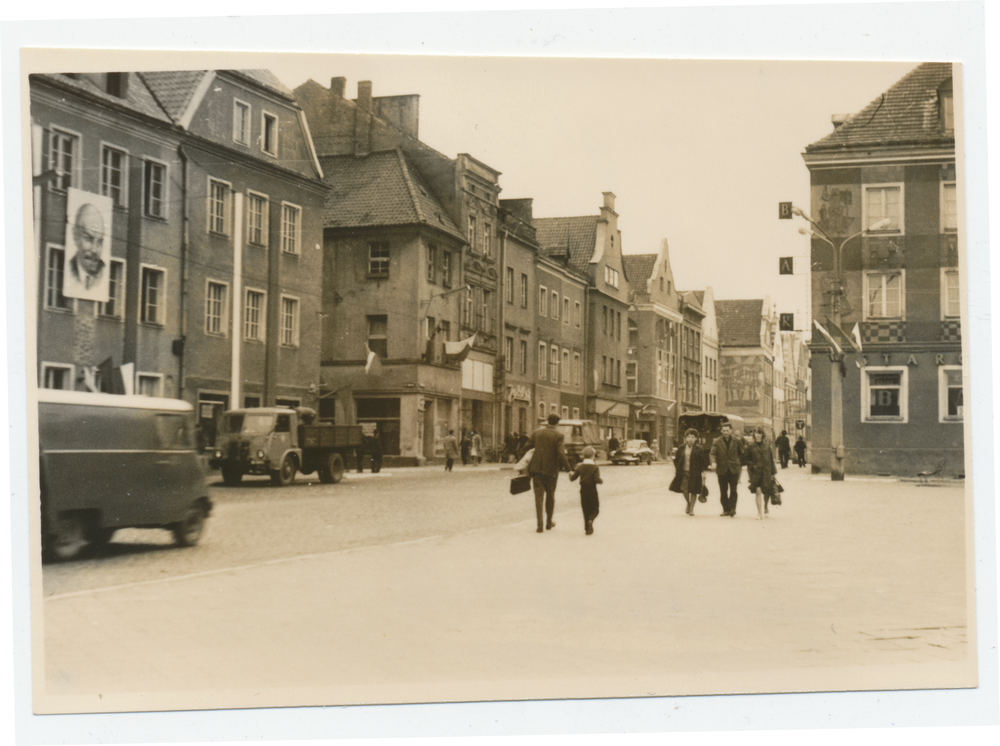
{"type": "Point", "coordinates": [747, 331]}
{"type": "Point", "coordinates": [709, 350]}
{"type": "Point", "coordinates": [591, 246]}
{"type": "Point", "coordinates": [653, 359]}
{"type": "Point", "coordinates": [466, 192]}
{"type": "Point", "coordinates": [214, 197]}
{"type": "Point", "coordinates": [690, 368]}
{"type": "Point", "coordinates": [884, 187]}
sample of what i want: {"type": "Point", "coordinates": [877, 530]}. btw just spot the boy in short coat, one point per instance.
{"type": "Point", "coordinates": [589, 475]}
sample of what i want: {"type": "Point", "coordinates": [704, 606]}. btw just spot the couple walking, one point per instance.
{"type": "Point", "coordinates": [727, 457]}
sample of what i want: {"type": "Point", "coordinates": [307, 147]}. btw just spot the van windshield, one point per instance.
{"type": "Point", "coordinates": [248, 423]}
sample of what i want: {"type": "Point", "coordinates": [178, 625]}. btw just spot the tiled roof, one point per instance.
{"type": "Point", "coordinates": [265, 79]}
{"type": "Point", "coordinates": [908, 113]}
{"type": "Point", "coordinates": [379, 189]}
{"type": "Point", "coordinates": [638, 269]}
{"type": "Point", "coordinates": [700, 295]}
{"type": "Point", "coordinates": [739, 322]}
{"type": "Point", "coordinates": [578, 236]}
{"type": "Point", "coordinates": [174, 89]}
{"type": "Point", "coordinates": [138, 98]}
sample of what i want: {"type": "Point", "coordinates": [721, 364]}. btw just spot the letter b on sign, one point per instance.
{"type": "Point", "coordinates": [784, 210]}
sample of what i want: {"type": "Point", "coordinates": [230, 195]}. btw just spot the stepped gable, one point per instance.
{"type": "Point", "coordinates": [907, 113]}
{"type": "Point", "coordinates": [739, 322]}
{"type": "Point", "coordinates": [380, 189]}
{"type": "Point", "coordinates": [576, 237]}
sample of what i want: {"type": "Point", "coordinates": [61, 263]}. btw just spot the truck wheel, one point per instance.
{"type": "Point", "coordinates": [333, 471]}
{"type": "Point", "coordinates": [68, 537]}
{"type": "Point", "coordinates": [231, 475]}
{"type": "Point", "coordinates": [188, 531]}
{"type": "Point", "coordinates": [285, 475]}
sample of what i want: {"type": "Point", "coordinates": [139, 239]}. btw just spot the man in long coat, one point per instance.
{"type": "Point", "coordinates": [727, 459]}
{"type": "Point", "coordinates": [548, 459]}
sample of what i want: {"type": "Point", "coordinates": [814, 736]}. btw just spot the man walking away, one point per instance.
{"type": "Point", "coordinates": [450, 450]}
{"type": "Point", "coordinates": [800, 451]}
{"type": "Point", "coordinates": [548, 459]}
{"type": "Point", "coordinates": [727, 459]}
{"type": "Point", "coordinates": [784, 448]}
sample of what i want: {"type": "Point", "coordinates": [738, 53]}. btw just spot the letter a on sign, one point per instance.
{"type": "Point", "coordinates": [785, 265]}
{"type": "Point", "coordinates": [784, 211]}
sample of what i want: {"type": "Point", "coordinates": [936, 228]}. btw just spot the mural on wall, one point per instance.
{"type": "Point", "coordinates": [834, 215]}
{"type": "Point", "coordinates": [742, 381]}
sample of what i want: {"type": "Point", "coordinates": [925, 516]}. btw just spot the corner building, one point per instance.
{"type": "Point", "coordinates": [903, 397]}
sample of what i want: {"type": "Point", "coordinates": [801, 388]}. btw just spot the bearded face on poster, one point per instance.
{"type": "Point", "coordinates": [88, 242]}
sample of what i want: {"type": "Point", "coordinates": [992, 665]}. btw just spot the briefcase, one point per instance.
{"type": "Point", "coordinates": [520, 484]}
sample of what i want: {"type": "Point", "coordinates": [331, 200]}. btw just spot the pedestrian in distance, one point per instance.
{"type": "Point", "coordinates": [613, 446]}
{"type": "Point", "coordinates": [451, 453]}
{"type": "Point", "coordinates": [727, 459]}
{"type": "Point", "coordinates": [800, 452]}
{"type": "Point", "coordinates": [476, 449]}
{"type": "Point", "coordinates": [784, 448]}
{"type": "Point", "coordinates": [466, 444]}
{"type": "Point", "coordinates": [549, 457]}
{"type": "Point", "coordinates": [375, 449]}
{"type": "Point", "coordinates": [760, 470]}
{"type": "Point", "coordinates": [589, 475]}
{"type": "Point", "coordinates": [359, 455]}
{"type": "Point", "coordinates": [689, 463]}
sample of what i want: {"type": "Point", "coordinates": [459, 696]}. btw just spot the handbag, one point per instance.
{"type": "Point", "coordinates": [520, 484]}
{"type": "Point", "coordinates": [776, 490]}
{"type": "Point", "coordinates": [703, 497]}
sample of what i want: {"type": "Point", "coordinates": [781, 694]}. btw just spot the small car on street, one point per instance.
{"type": "Point", "coordinates": [633, 452]}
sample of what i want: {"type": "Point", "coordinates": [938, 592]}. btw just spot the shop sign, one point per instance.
{"type": "Point", "coordinates": [519, 391]}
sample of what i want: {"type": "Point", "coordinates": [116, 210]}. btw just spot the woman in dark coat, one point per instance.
{"type": "Point", "coordinates": [689, 462]}
{"type": "Point", "coordinates": [760, 470]}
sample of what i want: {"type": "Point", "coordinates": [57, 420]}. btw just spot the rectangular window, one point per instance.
{"type": "Point", "coordinates": [554, 364]}
{"type": "Point", "coordinates": [291, 228]}
{"type": "Point", "coordinates": [154, 191]}
{"type": "Point", "coordinates": [378, 335]}
{"type": "Point", "coordinates": [884, 202]}
{"type": "Point", "coordinates": [541, 411]}
{"type": "Point", "coordinates": [884, 394]}
{"type": "Point", "coordinates": [631, 372]}
{"type": "Point", "coordinates": [543, 301]}
{"type": "Point", "coordinates": [611, 276]}
{"type": "Point", "coordinates": [543, 354]}
{"type": "Point", "coordinates": [604, 369]}
{"type": "Point", "coordinates": [113, 175]}
{"type": "Point", "coordinates": [216, 307]}
{"type": "Point", "coordinates": [269, 134]}
{"type": "Point", "coordinates": [378, 259]}
{"type": "Point", "coordinates": [949, 207]}
{"type": "Point", "coordinates": [218, 206]}
{"type": "Point", "coordinates": [565, 310]}
{"type": "Point", "coordinates": [254, 316]}
{"type": "Point", "coordinates": [524, 357]}
{"type": "Point", "coordinates": [55, 266]}
{"type": "Point", "coordinates": [116, 290]}
{"type": "Point", "coordinates": [565, 367]}
{"type": "Point", "coordinates": [577, 369]}
{"type": "Point", "coordinates": [950, 394]}
{"type": "Point", "coordinates": [554, 308]}
{"type": "Point", "coordinates": [152, 310]}
{"type": "Point", "coordinates": [241, 122]}
{"type": "Point", "coordinates": [472, 233]}
{"type": "Point", "coordinates": [508, 289]}
{"type": "Point", "coordinates": [149, 384]}
{"type": "Point", "coordinates": [63, 154]}
{"type": "Point", "coordinates": [576, 413]}
{"type": "Point", "coordinates": [565, 413]}
{"type": "Point", "coordinates": [487, 240]}
{"type": "Point", "coordinates": [618, 325]}
{"type": "Point", "coordinates": [289, 321]}
{"type": "Point", "coordinates": [604, 320]}
{"type": "Point", "coordinates": [432, 264]}
{"type": "Point", "coordinates": [951, 299]}
{"type": "Point", "coordinates": [524, 290]}
{"type": "Point", "coordinates": [508, 354]}
{"type": "Point", "coordinates": [256, 219]}
{"type": "Point", "coordinates": [444, 335]}
{"type": "Point", "coordinates": [446, 269]}
{"type": "Point", "coordinates": [884, 293]}
{"type": "Point", "coordinates": [56, 376]}
{"type": "Point", "coordinates": [577, 314]}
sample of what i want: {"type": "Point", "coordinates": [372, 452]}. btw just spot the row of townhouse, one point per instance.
{"type": "Point", "coordinates": [257, 246]}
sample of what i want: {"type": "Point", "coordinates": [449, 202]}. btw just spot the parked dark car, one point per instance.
{"type": "Point", "coordinates": [633, 452]}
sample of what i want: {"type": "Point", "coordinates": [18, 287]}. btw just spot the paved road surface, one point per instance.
{"type": "Point", "coordinates": [415, 585]}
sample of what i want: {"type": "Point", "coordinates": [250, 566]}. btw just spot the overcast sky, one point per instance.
{"type": "Point", "coordinates": [697, 152]}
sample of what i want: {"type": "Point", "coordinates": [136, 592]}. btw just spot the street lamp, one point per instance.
{"type": "Point", "coordinates": [836, 355]}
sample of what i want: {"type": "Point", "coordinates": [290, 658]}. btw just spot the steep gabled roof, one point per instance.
{"type": "Point", "coordinates": [907, 113]}
{"type": "Point", "coordinates": [138, 98]}
{"type": "Point", "coordinates": [739, 322]}
{"type": "Point", "coordinates": [700, 295]}
{"type": "Point", "coordinates": [638, 269]}
{"type": "Point", "coordinates": [380, 189]}
{"type": "Point", "coordinates": [577, 236]}
{"type": "Point", "coordinates": [174, 89]}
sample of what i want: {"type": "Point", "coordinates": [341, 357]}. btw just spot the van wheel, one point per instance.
{"type": "Point", "coordinates": [231, 475]}
{"type": "Point", "coordinates": [333, 471]}
{"type": "Point", "coordinates": [188, 532]}
{"type": "Point", "coordinates": [285, 475]}
{"type": "Point", "coordinates": [69, 537]}
{"type": "Point", "coordinates": [99, 536]}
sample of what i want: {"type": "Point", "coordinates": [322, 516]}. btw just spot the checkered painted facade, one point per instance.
{"type": "Point", "coordinates": [879, 332]}
{"type": "Point", "coordinates": [951, 330]}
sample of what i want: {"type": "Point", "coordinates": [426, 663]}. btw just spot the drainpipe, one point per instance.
{"type": "Point", "coordinates": [185, 234]}
{"type": "Point", "coordinates": [234, 385]}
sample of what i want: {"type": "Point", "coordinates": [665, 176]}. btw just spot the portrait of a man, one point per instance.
{"type": "Point", "coordinates": [88, 236]}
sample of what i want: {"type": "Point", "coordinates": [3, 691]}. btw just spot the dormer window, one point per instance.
{"type": "Point", "coordinates": [116, 84]}
{"type": "Point", "coordinates": [946, 102]}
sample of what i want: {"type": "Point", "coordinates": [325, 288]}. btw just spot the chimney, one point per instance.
{"type": "Point", "coordinates": [840, 119]}
{"type": "Point", "coordinates": [609, 200]}
{"type": "Point", "coordinates": [337, 86]}
{"type": "Point", "coordinates": [363, 119]}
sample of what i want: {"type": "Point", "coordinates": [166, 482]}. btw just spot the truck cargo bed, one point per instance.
{"type": "Point", "coordinates": [330, 436]}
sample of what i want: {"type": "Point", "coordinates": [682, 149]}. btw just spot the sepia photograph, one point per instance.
{"type": "Point", "coordinates": [394, 379]}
